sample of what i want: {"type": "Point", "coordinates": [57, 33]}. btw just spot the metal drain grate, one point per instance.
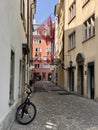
{"type": "Point", "coordinates": [65, 93]}
{"type": "Point", "coordinates": [40, 89]}
{"type": "Point", "coordinates": [57, 90]}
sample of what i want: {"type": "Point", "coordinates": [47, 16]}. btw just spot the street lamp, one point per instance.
{"type": "Point", "coordinates": [71, 66]}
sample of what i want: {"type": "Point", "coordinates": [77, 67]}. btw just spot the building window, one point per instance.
{"type": "Point", "coordinates": [45, 57]}
{"type": "Point", "coordinates": [38, 49]}
{"type": "Point", "coordinates": [72, 40]}
{"type": "Point", "coordinates": [48, 49]}
{"type": "Point", "coordinates": [37, 41]}
{"type": "Point", "coordinates": [37, 65]}
{"type": "Point", "coordinates": [11, 90]}
{"type": "Point", "coordinates": [89, 27]}
{"type": "Point", "coordinates": [46, 66]}
{"type": "Point", "coordinates": [36, 33]}
{"type": "Point", "coordinates": [72, 11]}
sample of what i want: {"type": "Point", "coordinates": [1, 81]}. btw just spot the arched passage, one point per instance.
{"type": "Point", "coordinates": [80, 73]}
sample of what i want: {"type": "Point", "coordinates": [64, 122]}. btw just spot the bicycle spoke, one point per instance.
{"type": "Point", "coordinates": [26, 112]}
{"type": "Point", "coordinates": [26, 115]}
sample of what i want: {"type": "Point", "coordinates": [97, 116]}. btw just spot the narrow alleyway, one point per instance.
{"type": "Point", "coordinates": [60, 110]}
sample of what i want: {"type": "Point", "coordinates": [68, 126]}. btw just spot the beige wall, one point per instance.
{"type": "Point", "coordinates": [60, 41]}
{"type": "Point", "coordinates": [89, 48]}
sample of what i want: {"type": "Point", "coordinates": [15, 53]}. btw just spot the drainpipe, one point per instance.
{"type": "Point", "coordinates": [30, 7]}
{"type": "Point", "coordinates": [27, 37]}
{"type": "Point", "coordinates": [28, 22]}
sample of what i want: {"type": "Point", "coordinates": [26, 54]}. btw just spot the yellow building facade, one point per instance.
{"type": "Point", "coordinates": [60, 48]}
{"type": "Point", "coordinates": [80, 66]}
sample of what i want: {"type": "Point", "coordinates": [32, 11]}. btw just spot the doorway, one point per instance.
{"type": "Point", "coordinates": [80, 80]}
{"type": "Point", "coordinates": [43, 76]}
{"type": "Point", "coordinates": [91, 86]}
{"type": "Point", "coordinates": [71, 79]}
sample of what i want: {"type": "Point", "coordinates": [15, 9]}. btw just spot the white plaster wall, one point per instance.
{"type": "Point", "coordinates": [12, 35]}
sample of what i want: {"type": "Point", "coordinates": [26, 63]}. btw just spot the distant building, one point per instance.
{"type": "Point", "coordinates": [55, 45]}
{"type": "Point", "coordinates": [41, 55]}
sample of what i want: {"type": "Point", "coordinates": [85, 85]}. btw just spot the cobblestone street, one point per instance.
{"type": "Point", "coordinates": [60, 110]}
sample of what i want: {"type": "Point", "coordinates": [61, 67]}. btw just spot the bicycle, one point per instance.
{"type": "Point", "coordinates": [26, 112]}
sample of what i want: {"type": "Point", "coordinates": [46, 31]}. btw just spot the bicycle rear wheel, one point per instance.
{"type": "Point", "coordinates": [25, 113]}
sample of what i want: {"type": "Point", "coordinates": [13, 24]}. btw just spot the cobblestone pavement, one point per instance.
{"type": "Point", "coordinates": [60, 110]}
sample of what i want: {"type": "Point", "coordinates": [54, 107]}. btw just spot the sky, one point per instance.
{"type": "Point", "coordinates": [44, 8]}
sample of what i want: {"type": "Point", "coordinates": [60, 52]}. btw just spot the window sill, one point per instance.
{"type": "Point", "coordinates": [71, 19]}
{"type": "Point", "coordinates": [71, 49]}
{"type": "Point", "coordinates": [85, 3]}
{"type": "Point", "coordinates": [88, 38]}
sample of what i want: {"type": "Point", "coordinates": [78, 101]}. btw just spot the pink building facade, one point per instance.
{"type": "Point", "coordinates": [41, 55]}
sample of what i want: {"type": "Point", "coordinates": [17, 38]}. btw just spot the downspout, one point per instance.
{"type": "Point", "coordinates": [27, 38]}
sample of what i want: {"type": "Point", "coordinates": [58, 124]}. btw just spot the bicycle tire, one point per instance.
{"type": "Point", "coordinates": [24, 117]}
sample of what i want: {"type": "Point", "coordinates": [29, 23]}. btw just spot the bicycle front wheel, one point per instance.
{"type": "Point", "coordinates": [25, 113]}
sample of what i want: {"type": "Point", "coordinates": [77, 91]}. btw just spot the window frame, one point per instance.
{"type": "Point", "coordinates": [37, 66]}
{"type": "Point", "coordinates": [46, 65]}
{"type": "Point", "coordinates": [89, 28]}
{"type": "Point", "coordinates": [36, 41]}
{"type": "Point", "coordinates": [38, 49]}
{"type": "Point", "coordinates": [72, 11]}
{"type": "Point", "coordinates": [72, 40]}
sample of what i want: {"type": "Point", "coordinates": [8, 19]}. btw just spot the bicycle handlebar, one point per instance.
{"type": "Point", "coordinates": [28, 88]}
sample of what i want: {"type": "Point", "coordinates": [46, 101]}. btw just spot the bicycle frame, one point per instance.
{"type": "Point", "coordinates": [23, 111]}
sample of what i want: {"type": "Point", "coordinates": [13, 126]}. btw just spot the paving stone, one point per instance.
{"type": "Point", "coordinates": [60, 111]}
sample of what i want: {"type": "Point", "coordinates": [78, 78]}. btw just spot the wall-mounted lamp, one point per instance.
{"type": "Point", "coordinates": [70, 63]}
{"type": "Point", "coordinates": [70, 66]}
